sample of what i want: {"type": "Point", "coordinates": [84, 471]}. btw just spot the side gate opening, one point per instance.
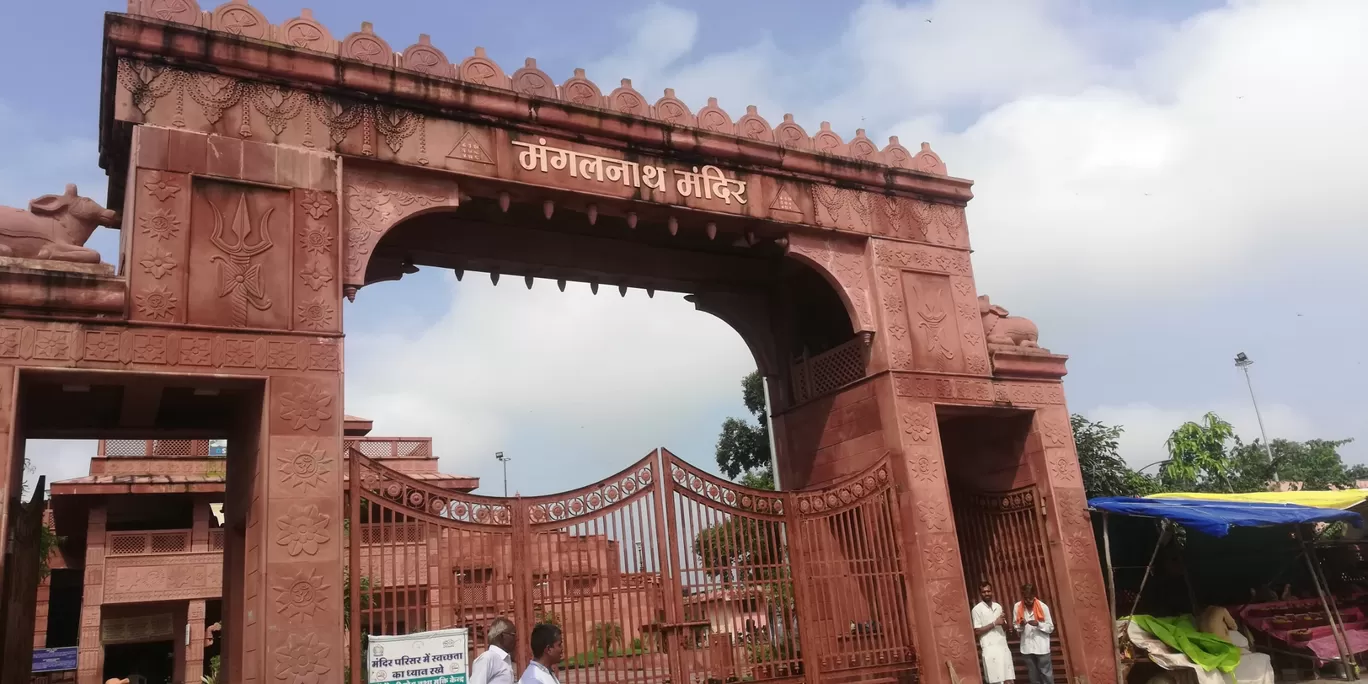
{"type": "Point", "coordinates": [659, 573]}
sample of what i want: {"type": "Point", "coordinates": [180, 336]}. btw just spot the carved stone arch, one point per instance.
{"type": "Point", "coordinates": [374, 203]}
{"type": "Point", "coordinates": [749, 316]}
{"type": "Point", "coordinates": [841, 262]}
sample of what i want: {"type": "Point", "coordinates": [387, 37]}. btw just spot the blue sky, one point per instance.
{"type": "Point", "coordinates": [1159, 185]}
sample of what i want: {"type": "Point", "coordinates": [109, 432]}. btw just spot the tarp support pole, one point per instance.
{"type": "Point", "coordinates": [1167, 529]}
{"type": "Point", "coordinates": [1111, 591]}
{"type": "Point", "coordinates": [1341, 642]}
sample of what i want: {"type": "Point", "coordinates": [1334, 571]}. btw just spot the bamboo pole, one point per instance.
{"type": "Point", "coordinates": [1167, 528]}
{"type": "Point", "coordinates": [1340, 642]}
{"type": "Point", "coordinates": [1111, 592]}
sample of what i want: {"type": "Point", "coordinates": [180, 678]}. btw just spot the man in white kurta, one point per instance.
{"type": "Point", "coordinates": [989, 627]}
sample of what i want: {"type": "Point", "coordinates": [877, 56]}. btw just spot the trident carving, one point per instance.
{"type": "Point", "coordinates": [238, 276]}
{"type": "Point", "coordinates": [931, 320]}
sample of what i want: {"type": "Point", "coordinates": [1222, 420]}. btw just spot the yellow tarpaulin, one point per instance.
{"type": "Point", "coordinates": [1342, 499]}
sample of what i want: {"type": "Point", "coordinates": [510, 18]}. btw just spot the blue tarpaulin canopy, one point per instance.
{"type": "Point", "coordinates": [1217, 517]}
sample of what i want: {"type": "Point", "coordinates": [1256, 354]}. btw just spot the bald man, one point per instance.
{"type": "Point", "coordinates": [495, 665]}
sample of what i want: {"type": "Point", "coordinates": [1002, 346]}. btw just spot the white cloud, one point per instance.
{"type": "Point", "coordinates": [1231, 142]}
{"type": "Point", "coordinates": [600, 378]}
{"type": "Point", "coordinates": [1152, 162]}
{"type": "Point", "coordinates": [58, 459]}
{"type": "Point", "coordinates": [1147, 427]}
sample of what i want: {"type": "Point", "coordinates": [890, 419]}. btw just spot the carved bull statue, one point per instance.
{"type": "Point", "coordinates": [55, 227]}
{"type": "Point", "coordinates": [1001, 330]}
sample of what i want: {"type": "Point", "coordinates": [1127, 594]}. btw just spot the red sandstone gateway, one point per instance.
{"type": "Point", "coordinates": [266, 171]}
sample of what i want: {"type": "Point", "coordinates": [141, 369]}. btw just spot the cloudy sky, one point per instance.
{"type": "Point", "coordinates": [1160, 184]}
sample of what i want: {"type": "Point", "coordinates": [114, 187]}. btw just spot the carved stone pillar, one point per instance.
{"type": "Point", "coordinates": [193, 639]}
{"type": "Point", "coordinates": [90, 652]}
{"type": "Point", "coordinates": [939, 610]}
{"type": "Point", "coordinates": [300, 535]}
{"type": "Point", "coordinates": [179, 651]}
{"type": "Point", "coordinates": [1083, 614]}
{"type": "Point", "coordinates": [199, 527]}
{"type": "Point", "coordinates": [8, 456]}
{"type": "Point", "coordinates": [40, 618]}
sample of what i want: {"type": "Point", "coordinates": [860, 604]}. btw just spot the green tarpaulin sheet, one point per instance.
{"type": "Point", "coordinates": [1180, 633]}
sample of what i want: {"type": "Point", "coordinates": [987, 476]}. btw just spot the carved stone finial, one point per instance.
{"type": "Point", "coordinates": [1002, 331]}
{"type": "Point", "coordinates": [55, 228]}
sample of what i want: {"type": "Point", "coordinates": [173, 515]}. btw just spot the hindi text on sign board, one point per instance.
{"type": "Point", "coordinates": [709, 183]}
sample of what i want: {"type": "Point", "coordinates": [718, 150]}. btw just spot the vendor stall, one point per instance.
{"type": "Point", "coordinates": [1305, 634]}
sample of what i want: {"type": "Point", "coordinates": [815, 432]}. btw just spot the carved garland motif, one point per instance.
{"type": "Point", "coordinates": [279, 106]}
{"type": "Point", "coordinates": [166, 348]}
{"type": "Point", "coordinates": [1005, 502]}
{"type": "Point", "coordinates": [588, 500]}
{"type": "Point", "coordinates": [725, 493]}
{"type": "Point", "coordinates": [859, 488]}
{"type": "Point", "coordinates": [978, 390]}
{"type": "Point", "coordinates": [930, 259]}
{"type": "Point", "coordinates": [415, 496]}
{"type": "Point", "coordinates": [372, 207]}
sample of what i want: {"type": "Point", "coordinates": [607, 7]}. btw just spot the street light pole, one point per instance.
{"type": "Point", "coordinates": [1243, 363]}
{"type": "Point", "coordinates": [499, 456]}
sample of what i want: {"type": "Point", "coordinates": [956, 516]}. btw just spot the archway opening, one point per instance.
{"type": "Point", "coordinates": [783, 310]}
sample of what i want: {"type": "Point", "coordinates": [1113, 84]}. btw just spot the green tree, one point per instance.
{"type": "Point", "coordinates": [1105, 473]}
{"type": "Point", "coordinates": [740, 550]}
{"type": "Point", "coordinates": [1199, 458]}
{"type": "Point", "coordinates": [743, 448]}
{"type": "Point", "coordinates": [1315, 463]}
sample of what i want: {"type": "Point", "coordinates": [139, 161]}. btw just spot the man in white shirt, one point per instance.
{"type": "Point", "coordinates": [1032, 617]}
{"type": "Point", "coordinates": [989, 627]}
{"type": "Point", "coordinates": [495, 665]}
{"type": "Point", "coordinates": [547, 652]}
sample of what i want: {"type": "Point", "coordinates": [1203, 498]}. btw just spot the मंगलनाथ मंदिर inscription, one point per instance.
{"type": "Point", "coordinates": [709, 183]}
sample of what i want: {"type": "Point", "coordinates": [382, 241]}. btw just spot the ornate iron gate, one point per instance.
{"type": "Point", "coordinates": [855, 606]}
{"type": "Point", "coordinates": [1002, 539]}
{"type": "Point", "coordinates": [659, 573]}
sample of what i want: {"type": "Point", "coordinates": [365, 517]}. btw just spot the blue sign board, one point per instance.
{"type": "Point", "coordinates": [54, 659]}
{"type": "Point", "coordinates": [218, 447]}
